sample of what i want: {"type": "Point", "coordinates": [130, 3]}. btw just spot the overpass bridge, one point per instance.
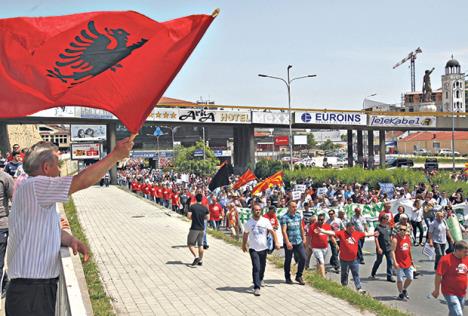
{"type": "Point", "coordinates": [244, 119]}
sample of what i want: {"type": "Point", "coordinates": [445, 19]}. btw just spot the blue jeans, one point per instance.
{"type": "Point", "coordinates": [258, 266]}
{"type": "Point", "coordinates": [298, 251]}
{"type": "Point", "coordinates": [205, 241]}
{"type": "Point", "coordinates": [354, 266]}
{"type": "Point", "coordinates": [388, 256]}
{"type": "Point", "coordinates": [455, 304]}
{"type": "Point", "coordinates": [360, 246]}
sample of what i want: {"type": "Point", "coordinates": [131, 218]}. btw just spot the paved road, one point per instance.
{"type": "Point", "coordinates": [144, 266]}
{"type": "Point", "coordinates": [419, 303]}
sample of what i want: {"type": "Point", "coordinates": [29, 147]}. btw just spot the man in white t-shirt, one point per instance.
{"type": "Point", "coordinates": [35, 236]}
{"type": "Point", "coordinates": [255, 231]}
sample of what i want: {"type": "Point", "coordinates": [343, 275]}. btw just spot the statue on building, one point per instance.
{"type": "Point", "coordinates": [427, 90]}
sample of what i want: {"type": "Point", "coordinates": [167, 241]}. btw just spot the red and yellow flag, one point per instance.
{"type": "Point", "coordinates": [244, 179]}
{"type": "Point", "coordinates": [275, 179]}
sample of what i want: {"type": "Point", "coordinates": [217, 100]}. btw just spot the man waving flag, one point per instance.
{"type": "Point", "coordinates": [121, 62]}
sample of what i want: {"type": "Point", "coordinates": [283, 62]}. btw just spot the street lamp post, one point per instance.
{"type": "Point", "coordinates": [364, 100]}
{"type": "Point", "coordinates": [453, 128]}
{"type": "Point", "coordinates": [288, 86]}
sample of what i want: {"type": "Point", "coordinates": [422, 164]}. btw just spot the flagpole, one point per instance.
{"type": "Point", "coordinates": [215, 13]}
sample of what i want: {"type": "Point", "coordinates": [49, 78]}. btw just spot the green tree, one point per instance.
{"type": "Point", "coordinates": [186, 161]}
{"type": "Point", "coordinates": [328, 145]}
{"type": "Point", "coordinates": [311, 141]}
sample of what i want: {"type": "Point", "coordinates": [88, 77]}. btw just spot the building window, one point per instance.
{"type": "Point", "coordinates": [436, 146]}
{"type": "Point", "coordinates": [446, 94]}
{"type": "Point", "coordinates": [410, 99]}
{"type": "Point", "coordinates": [457, 94]}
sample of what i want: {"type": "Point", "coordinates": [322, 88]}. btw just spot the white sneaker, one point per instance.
{"type": "Point", "coordinates": [257, 292]}
{"type": "Point", "coordinates": [361, 291]}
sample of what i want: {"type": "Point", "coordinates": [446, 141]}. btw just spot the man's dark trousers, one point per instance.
{"type": "Point", "coordinates": [299, 251]}
{"type": "Point", "coordinates": [258, 266]}
{"type": "Point", "coordinates": [31, 297]}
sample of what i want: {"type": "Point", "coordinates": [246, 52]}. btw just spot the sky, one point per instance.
{"type": "Point", "coordinates": [350, 45]}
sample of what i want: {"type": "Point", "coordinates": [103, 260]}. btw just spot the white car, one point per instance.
{"type": "Point", "coordinates": [420, 152]}
{"type": "Point", "coordinates": [334, 162]}
{"type": "Point", "coordinates": [308, 162]}
{"type": "Point", "coordinates": [448, 152]}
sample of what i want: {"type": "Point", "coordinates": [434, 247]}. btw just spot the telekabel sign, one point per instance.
{"type": "Point", "coordinates": [402, 121]}
{"type": "Point", "coordinates": [335, 118]}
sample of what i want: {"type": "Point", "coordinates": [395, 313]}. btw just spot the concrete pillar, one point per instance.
{"type": "Point", "coordinates": [350, 148]}
{"type": "Point", "coordinates": [5, 145]}
{"type": "Point", "coordinates": [370, 149]}
{"type": "Point", "coordinates": [244, 148]}
{"type": "Point", "coordinates": [111, 142]}
{"type": "Point", "coordinates": [360, 148]}
{"type": "Point", "coordinates": [382, 148]}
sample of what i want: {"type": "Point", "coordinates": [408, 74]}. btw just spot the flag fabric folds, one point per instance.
{"type": "Point", "coordinates": [121, 62]}
{"type": "Point", "coordinates": [221, 177]}
{"type": "Point", "coordinates": [244, 179]}
{"type": "Point", "coordinates": [275, 179]}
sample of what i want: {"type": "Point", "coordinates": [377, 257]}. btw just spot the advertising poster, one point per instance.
{"type": "Point", "coordinates": [87, 133]}
{"type": "Point", "coordinates": [86, 151]}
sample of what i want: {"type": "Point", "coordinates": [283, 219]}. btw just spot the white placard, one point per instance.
{"type": "Point", "coordinates": [335, 118]}
{"type": "Point", "coordinates": [296, 195]}
{"type": "Point", "coordinates": [300, 187]}
{"type": "Point", "coordinates": [300, 139]}
{"type": "Point", "coordinates": [322, 191]}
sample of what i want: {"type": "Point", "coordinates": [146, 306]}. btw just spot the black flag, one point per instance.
{"type": "Point", "coordinates": [221, 177]}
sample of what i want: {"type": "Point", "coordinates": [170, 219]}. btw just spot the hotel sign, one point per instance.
{"type": "Point", "coordinates": [200, 116]}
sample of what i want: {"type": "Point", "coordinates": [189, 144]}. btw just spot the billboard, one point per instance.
{"type": "Point", "coordinates": [278, 118]}
{"type": "Point", "coordinates": [333, 118]}
{"type": "Point", "coordinates": [281, 140]}
{"type": "Point", "coordinates": [87, 133]}
{"type": "Point", "coordinates": [200, 116]}
{"type": "Point", "coordinates": [85, 151]}
{"type": "Point", "coordinates": [300, 139]}
{"type": "Point", "coordinates": [399, 121]}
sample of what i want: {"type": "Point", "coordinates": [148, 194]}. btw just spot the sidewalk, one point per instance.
{"type": "Point", "coordinates": [144, 265]}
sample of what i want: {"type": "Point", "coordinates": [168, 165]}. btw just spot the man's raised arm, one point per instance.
{"type": "Point", "coordinates": [95, 172]}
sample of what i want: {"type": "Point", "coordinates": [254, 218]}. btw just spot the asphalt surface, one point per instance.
{"type": "Point", "coordinates": [420, 302]}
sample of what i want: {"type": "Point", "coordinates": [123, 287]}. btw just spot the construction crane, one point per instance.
{"type": "Point", "coordinates": [412, 58]}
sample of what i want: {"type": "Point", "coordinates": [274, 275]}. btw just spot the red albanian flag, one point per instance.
{"type": "Point", "coordinates": [121, 62]}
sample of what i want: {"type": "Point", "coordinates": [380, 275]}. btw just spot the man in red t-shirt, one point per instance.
{"type": "Point", "coordinates": [166, 195]}
{"type": "Point", "coordinates": [402, 261]}
{"type": "Point", "coordinates": [349, 239]}
{"type": "Point", "coordinates": [216, 213]}
{"type": "Point", "coordinates": [319, 242]}
{"type": "Point", "coordinates": [135, 186]}
{"type": "Point", "coordinates": [153, 192]}
{"type": "Point", "coordinates": [452, 274]}
{"type": "Point", "coordinates": [175, 201]}
{"type": "Point", "coordinates": [159, 194]}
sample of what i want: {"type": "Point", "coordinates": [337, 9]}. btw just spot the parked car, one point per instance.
{"type": "Point", "coordinates": [308, 162]}
{"type": "Point", "coordinates": [333, 162]}
{"type": "Point", "coordinates": [431, 164]}
{"type": "Point", "coordinates": [420, 152]}
{"type": "Point", "coordinates": [399, 162]}
{"type": "Point", "coordinates": [447, 152]}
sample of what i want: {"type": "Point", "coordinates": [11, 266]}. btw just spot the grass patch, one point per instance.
{"type": "Point", "coordinates": [364, 302]}
{"type": "Point", "coordinates": [99, 299]}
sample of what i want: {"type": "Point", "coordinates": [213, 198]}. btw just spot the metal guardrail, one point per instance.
{"type": "Point", "coordinates": [70, 301]}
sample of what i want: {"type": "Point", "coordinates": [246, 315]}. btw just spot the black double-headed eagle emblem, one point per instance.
{"type": "Point", "coordinates": [88, 55]}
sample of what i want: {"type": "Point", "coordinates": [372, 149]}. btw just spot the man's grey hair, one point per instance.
{"type": "Point", "coordinates": [37, 155]}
